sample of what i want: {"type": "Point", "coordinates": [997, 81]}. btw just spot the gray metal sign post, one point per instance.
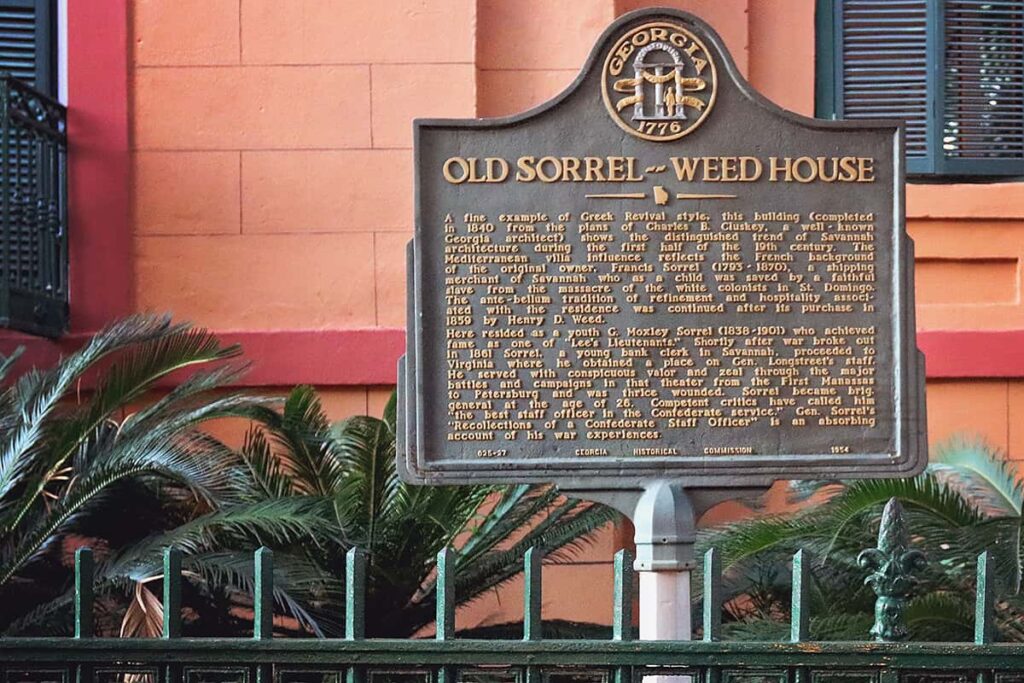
{"type": "Point", "coordinates": [666, 529]}
{"type": "Point", "coordinates": [665, 516]}
{"type": "Point", "coordinates": [658, 291]}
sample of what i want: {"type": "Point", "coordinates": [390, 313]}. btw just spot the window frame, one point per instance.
{"type": "Point", "coordinates": [828, 97]}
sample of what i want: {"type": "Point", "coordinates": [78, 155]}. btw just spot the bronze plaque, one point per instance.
{"type": "Point", "coordinates": [659, 275]}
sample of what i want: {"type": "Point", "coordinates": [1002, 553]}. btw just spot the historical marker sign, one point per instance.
{"type": "Point", "coordinates": [659, 275]}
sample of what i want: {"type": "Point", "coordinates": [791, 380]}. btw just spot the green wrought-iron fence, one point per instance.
{"type": "Point", "coordinates": [33, 210]}
{"type": "Point", "coordinates": [444, 658]}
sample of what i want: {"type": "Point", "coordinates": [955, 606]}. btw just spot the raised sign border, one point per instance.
{"type": "Point", "coordinates": [695, 471]}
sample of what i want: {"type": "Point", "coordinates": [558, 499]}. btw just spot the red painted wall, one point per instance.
{"type": "Point", "coordinates": [99, 162]}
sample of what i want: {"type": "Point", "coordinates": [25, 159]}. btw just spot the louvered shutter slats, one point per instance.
{"type": "Point", "coordinates": [18, 44]}
{"type": "Point", "coordinates": [953, 70]}
{"type": "Point", "coordinates": [884, 62]}
{"type": "Point", "coordinates": [983, 110]}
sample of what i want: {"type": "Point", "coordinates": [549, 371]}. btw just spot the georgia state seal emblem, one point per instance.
{"type": "Point", "coordinates": [659, 81]}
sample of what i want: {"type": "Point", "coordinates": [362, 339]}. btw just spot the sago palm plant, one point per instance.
{"type": "Point", "coordinates": [351, 466]}
{"type": "Point", "coordinates": [84, 460]}
{"type": "Point", "coordinates": [968, 500]}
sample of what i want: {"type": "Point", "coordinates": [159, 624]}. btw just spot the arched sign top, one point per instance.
{"type": "Point", "coordinates": [652, 101]}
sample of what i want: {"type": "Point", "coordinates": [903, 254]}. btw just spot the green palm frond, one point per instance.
{"type": "Point", "coordinates": [827, 627]}
{"type": "Point", "coordinates": [192, 391]}
{"type": "Point", "coordinates": [923, 492]}
{"type": "Point", "coordinates": [297, 582]}
{"type": "Point", "coordinates": [941, 616]}
{"type": "Point", "coordinates": [23, 442]}
{"type": "Point", "coordinates": [402, 526]}
{"type": "Point", "coordinates": [981, 474]}
{"type": "Point", "coordinates": [300, 437]}
{"type": "Point", "coordinates": [968, 501]}
{"type": "Point", "coordinates": [145, 348]}
{"type": "Point", "coordinates": [573, 536]}
{"type": "Point", "coordinates": [830, 527]}
{"type": "Point", "coordinates": [558, 541]}
{"type": "Point", "coordinates": [390, 415]}
{"type": "Point", "coordinates": [140, 366]}
{"type": "Point", "coordinates": [191, 459]}
{"type": "Point", "coordinates": [740, 541]}
{"type": "Point", "coordinates": [236, 405]}
{"type": "Point", "coordinates": [366, 451]}
{"type": "Point", "coordinates": [66, 455]}
{"type": "Point", "coordinates": [48, 618]}
{"type": "Point", "coordinates": [276, 522]}
{"type": "Point", "coordinates": [8, 361]}
{"type": "Point", "coordinates": [15, 401]}
{"type": "Point", "coordinates": [308, 489]}
{"type": "Point", "coordinates": [268, 471]}
{"type": "Point", "coordinates": [47, 391]}
{"type": "Point", "coordinates": [513, 508]}
{"type": "Point", "coordinates": [844, 627]}
{"type": "Point", "coordinates": [433, 518]}
{"type": "Point", "coordinates": [1000, 536]}
{"type": "Point", "coordinates": [760, 630]}
{"type": "Point", "coordinates": [1009, 623]}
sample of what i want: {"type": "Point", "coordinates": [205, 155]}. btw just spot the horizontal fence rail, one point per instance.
{"type": "Point", "coordinates": [445, 658]}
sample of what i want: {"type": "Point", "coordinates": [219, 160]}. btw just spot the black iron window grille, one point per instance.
{"type": "Point", "coordinates": [33, 172]}
{"type": "Point", "coordinates": [33, 210]}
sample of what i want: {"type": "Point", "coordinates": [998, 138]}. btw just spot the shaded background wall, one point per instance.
{"type": "Point", "coordinates": [272, 188]}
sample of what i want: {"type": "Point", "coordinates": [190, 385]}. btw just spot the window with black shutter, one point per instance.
{"type": "Point", "coordinates": [952, 69]}
{"type": "Point", "coordinates": [33, 177]}
{"type": "Point", "coordinates": [27, 42]}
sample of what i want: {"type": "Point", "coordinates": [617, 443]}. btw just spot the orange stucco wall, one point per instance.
{"type": "Point", "coordinates": [272, 156]}
{"type": "Point", "coordinates": [273, 178]}
{"type": "Point", "coordinates": [272, 160]}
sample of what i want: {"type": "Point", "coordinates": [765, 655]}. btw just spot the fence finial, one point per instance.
{"type": "Point", "coordinates": [893, 564]}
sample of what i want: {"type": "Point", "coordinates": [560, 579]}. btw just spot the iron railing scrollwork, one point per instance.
{"type": "Point", "coordinates": [33, 210]}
